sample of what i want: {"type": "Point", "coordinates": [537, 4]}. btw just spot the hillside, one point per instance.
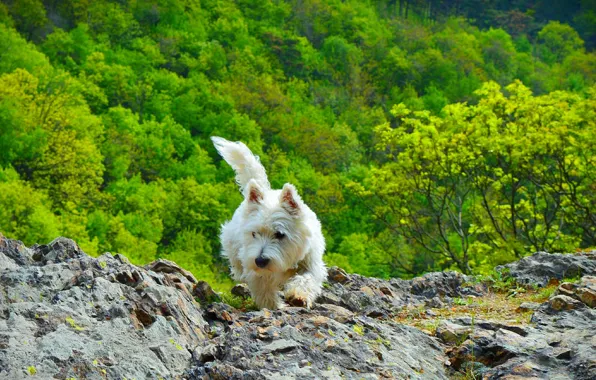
{"type": "Point", "coordinates": [66, 315]}
{"type": "Point", "coordinates": [426, 135]}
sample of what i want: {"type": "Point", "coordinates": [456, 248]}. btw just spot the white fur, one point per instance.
{"type": "Point", "coordinates": [295, 260]}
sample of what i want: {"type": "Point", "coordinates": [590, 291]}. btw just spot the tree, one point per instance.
{"type": "Point", "coordinates": [25, 213]}
{"type": "Point", "coordinates": [484, 183]}
{"type": "Point", "coordinates": [556, 41]}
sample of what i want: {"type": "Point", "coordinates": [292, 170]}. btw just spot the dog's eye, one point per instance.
{"type": "Point", "coordinates": [279, 235]}
{"type": "Point", "coordinates": [254, 235]}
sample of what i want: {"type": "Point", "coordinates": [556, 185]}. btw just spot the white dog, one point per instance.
{"type": "Point", "coordinates": [273, 240]}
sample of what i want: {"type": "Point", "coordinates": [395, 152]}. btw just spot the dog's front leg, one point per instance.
{"type": "Point", "coordinates": [304, 288]}
{"type": "Point", "coordinates": [264, 293]}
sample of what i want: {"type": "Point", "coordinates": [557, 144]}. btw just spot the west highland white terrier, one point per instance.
{"type": "Point", "coordinates": [274, 240]}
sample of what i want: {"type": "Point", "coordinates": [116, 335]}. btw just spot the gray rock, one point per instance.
{"type": "Point", "coordinates": [241, 290]}
{"type": "Point", "coordinates": [452, 333]}
{"type": "Point", "coordinates": [204, 293]}
{"type": "Point", "coordinates": [541, 267]}
{"type": "Point", "coordinates": [299, 343]}
{"type": "Point", "coordinates": [282, 345]}
{"type": "Point", "coordinates": [562, 302]}
{"type": "Point", "coordinates": [70, 315]}
{"type": "Point", "coordinates": [560, 344]}
{"type": "Point", "coordinates": [167, 266]}
{"type": "Point", "coordinates": [528, 306]}
{"type": "Point", "coordinates": [382, 298]}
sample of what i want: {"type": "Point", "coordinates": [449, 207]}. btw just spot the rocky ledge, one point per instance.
{"type": "Point", "coordinates": [64, 314]}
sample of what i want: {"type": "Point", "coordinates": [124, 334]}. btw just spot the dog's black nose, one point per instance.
{"type": "Point", "coordinates": [261, 261]}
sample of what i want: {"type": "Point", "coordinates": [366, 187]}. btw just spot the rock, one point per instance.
{"type": "Point", "coordinates": [300, 343]}
{"type": "Point", "coordinates": [241, 290]}
{"type": "Point", "coordinates": [339, 275]}
{"type": "Point", "coordinates": [587, 296]}
{"type": "Point", "coordinates": [329, 298]}
{"type": "Point", "coordinates": [560, 345]}
{"type": "Point", "coordinates": [435, 302]}
{"type": "Point", "coordinates": [205, 293]}
{"type": "Point", "coordinates": [527, 306]}
{"type": "Point", "coordinates": [452, 333]}
{"type": "Point", "coordinates": [541, 267]}
{"type": "Point", "coordinates": [338, 313]}
{"type": "Point", "coordinates": [205, 354]}
{"type": "Point", "coordinates": [282, 345]}
{"type": "Point", "coordinates": [585, 291]}
{"type": "Point", "coordinates": [566, 289]}
{"type": "Point", "coordinates": [70, 315]}
{"type": "Point", "coordinates": [167, 266]}
{"type": "Point", "coordinates": [59, 250]}
{"type": "Point", "coordinates": [381, 299]}
{"type": "Point", "coordinates": [73, 316]}
{"type": "Point", "coordinates": [562, 302]}
{"type": "Point", "coordinates": [438, 284]}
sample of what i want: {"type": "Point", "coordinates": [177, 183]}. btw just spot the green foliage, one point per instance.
{"type": "Point", "coordinates": [106, 109]}
{"type": "Point", "coordinates": [557, 41]}
{"type": "Point", "coordinates": [486, 183]}
{"type": "Point", "coordinates": [17, 53]}
{"type": "Point", "coordinates": [25, 213]}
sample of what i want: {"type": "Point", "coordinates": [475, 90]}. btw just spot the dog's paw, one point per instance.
{"type": "Point", "coordinates": [298, 298]}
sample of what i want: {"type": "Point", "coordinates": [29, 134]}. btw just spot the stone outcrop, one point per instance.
{"type": "Point", "coordinates": [64, 314]}
{"type": "Point", "coordinates": [559, 343]}
{"type": "Point", "coordinates": [542, 267]}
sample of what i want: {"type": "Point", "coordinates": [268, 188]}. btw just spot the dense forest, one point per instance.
{"type": "Point", "coordinates": [426, 134]}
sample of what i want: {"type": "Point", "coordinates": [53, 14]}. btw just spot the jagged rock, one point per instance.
{"type": "Point", "coordinates": [204, 293]}
{"type": "Point", "coordinates": [585, 291]}
{"type": "Point", "coordinates": [241, 290]}
{"type": "Point", "coordinates": [383, 298]}
{"type": "Point", "coordinates": [435, 302]}
{"type": "Point", "coordinates": [562, 302]}
{"type": "Point", "coordinates": [304, 344]}
{"type": "Point", "coordinates": [70, 315]}
{"type": "Point", "coordinates": [561, 344]}
{"type": "Point", "coordinates": [336, 274]}
{"type": "Point", "coordinates": [167, 266]}
{"type": "Point", "coordinates": [541, 267]}
{"type": "Point", "coordinates": [452, 333]}
{"type": "Point", "coordinates": [527, 306]}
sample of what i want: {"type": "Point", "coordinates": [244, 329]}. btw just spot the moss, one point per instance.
{"type": "Point", "coordinates": [244, 304]}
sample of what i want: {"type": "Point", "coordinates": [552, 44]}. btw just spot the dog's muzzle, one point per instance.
{"type": "Point", "coordinates": [261, 261]}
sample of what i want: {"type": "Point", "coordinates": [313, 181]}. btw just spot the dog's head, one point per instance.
{"type": "Point", "coordinates": [275, 233]}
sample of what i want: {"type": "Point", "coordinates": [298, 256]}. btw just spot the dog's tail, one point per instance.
{"type": "Point", "coordinates": [246, 165]}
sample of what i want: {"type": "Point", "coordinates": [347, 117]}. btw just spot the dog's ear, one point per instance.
{"type": "Point", "coordinates": [254, 194]}
{"type": "Point", "coordinates": [290, 200]}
